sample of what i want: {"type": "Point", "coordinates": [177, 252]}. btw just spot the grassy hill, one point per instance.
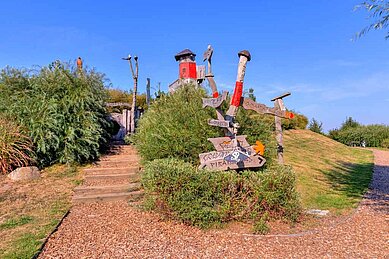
{"type": "Point", "coordinates": [330, 175]}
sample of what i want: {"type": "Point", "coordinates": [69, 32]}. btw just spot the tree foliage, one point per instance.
{"type": "Point", "coordinates": [349, 123]}
{"type": "Point", "coordinates": [353, 132]}
{"type": "Point", "coordinates": [316, 126]}
{"type": "Point", "coordinates": [378, 11]}
{"type": "Point", "coordinates": [61, 107]}
{"type": "Point", "coordinates": [250, 94]}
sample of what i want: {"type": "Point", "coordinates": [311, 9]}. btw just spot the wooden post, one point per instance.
{"type": "Point", "coordinates": [135, 77]}
{"type": "Point", "coordinates": [280, 147]}
{"type": "Point", "coordinates": [279, 105]}
{"type": "Point", "coordinates": [128, 120]}
{"type": "Point", "coordinates": [244, 56]}
{"type": "Point", "coordinates": [124, 120]}
{"type": "Point", "coordinates": [148, 97]}
{"type": "Point", "coordinates": [208, 56]}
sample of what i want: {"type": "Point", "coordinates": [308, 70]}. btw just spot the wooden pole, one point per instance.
{"type": "Point", "coordinates": [133, 107]}
{"type": "Point", "coordinates": [244, 56]}
{"type": "Point", "coordinates": [280, 148]}
{"type": "Point", "coordinates": [148, 97]}
{"type": "Point", "coordinates": [135, 77]}
{"type": "Point", "coordinates": [278, 104]}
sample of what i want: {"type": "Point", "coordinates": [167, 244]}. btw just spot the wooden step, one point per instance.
{"type": "Point", "coordinates": [117, 164]}
{"type": "Point", "coordinates": [120, 158]}
{"type": "Point", "coordinates": [107, 197]}
{"type": "Point", "coordinates": [111, 176]}
{"type": "Point", "coordinates": [111, 170]}
{"type": "Point", "coordinates": [123, 150]}
{"type": "Point", "coordinates": [83, 190]}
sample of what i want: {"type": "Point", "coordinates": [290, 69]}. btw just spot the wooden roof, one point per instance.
{"type": "Point", "coordinates": [185, 52]}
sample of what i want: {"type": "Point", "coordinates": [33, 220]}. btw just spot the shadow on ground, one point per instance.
{"type": "Point", "coordinates": [358, 180]}
{"type": "Point", "coordinates": [378, 195]}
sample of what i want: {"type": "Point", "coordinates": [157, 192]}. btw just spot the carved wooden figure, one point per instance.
{"type": "Point", "coordinates": [79, 63]}
{"type": "Point", "coordinates": [209, 76]}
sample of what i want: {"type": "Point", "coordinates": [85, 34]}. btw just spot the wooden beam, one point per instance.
{"type": "Point", "coordinates": [281, 96]}
{"type": "Point", "coordinates": [219, 123]}
{"type": "Point", "coordinates": [215, 102]}
{"type": "Point", "coordinates": [222, 165]}
{"type": "Point", "coordinates": [118, 104]}
{"type": "Point", "coordinates": [226, 143]}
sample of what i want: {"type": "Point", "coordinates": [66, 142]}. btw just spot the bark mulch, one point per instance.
{"type": "Point", "coordinates": [116, 230]}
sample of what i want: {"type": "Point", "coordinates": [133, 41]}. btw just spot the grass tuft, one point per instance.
{"type": "Point", "coordinates": [15, 222]}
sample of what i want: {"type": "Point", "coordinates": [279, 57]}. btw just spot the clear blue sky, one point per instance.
{"type": "Point", "coordinates": [300, 46]}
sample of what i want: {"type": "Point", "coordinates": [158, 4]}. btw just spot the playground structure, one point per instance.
{"type": "Point", "coordinates": [233, 151]}
{"type": "Point", "coordinates": [188, 71]}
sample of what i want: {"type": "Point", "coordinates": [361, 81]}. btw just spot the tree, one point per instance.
{"type": "Point", "coordinates": [316, 126]}
{"type": "Point", "coordinates": [379, 11]}
{"type": "Point", "coordinates": [250, 94]}
{"type": "Point", "coordinates": [349, 123]}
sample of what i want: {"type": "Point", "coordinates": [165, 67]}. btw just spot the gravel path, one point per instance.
{"type": "Point", "coordinates": [115, 230]}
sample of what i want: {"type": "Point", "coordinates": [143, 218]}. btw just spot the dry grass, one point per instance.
{"type": "Point", "coordinates": [29, 210]}
{"type": "Point", "coordinates": [330, 175]}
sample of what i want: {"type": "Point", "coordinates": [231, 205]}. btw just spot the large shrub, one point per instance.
{"type": "Point", "coordinates": [62, 108]}
{"type": "Point", "coordinates": [204, 198]}
{"type": "Point", "coordinates": [15, 147]}
{"type": "Point", "coordinates": [177, 126]}
{"type": "Point", "coordinates": [385, 143]}
{"type": "Point", "coordinates": [171, 135]}
{"type": "Point", "coordinates": [372, 135]}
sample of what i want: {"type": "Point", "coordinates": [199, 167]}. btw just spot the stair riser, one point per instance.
{"type": "Point", "coordinates": [128, 156]}
{"type": "Point", "coordinates": [105, 191]}
{"type": "Point", "coordinates": [104, 164]}
{"type": "Point", "coordinates": [110, 177]}
{"type": "Point", "coordinates": [129, 196]}
{"type": "Point", "coordinates": [124, 153]}
{"type": "Point", "coordinates": [113, 171]}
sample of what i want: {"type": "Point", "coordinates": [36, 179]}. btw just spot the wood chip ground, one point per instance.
{"type": "Point", "coordinates": [116, 230]}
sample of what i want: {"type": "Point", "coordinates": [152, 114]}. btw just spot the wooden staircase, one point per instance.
{"type": "Point", "coordinates": [115, 177]}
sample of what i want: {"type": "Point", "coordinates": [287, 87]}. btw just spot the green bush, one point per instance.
{"type": "Point", "coordinates": [205, 198]}
{"type": "Point", "coordinates": [177, 126]}
{"type": "Point", "coordinates": [62, 109]}
{"type": "Point", "coordinates": [299, 121]}
{"type": "Point", "coordinates": [385, 143]}
{"type": "Point", "coordinates": [15, 147]}
{"type": "Point", "coordinates": [373, 135]}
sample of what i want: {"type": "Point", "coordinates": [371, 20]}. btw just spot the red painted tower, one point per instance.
{"type": "Point", "coordinates": [188, 72]}
{"type": "Point", "coordinates": [187, 65]}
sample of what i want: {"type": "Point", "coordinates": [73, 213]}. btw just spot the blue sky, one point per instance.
{"type": "Point", "coordinates": [299, 46]}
